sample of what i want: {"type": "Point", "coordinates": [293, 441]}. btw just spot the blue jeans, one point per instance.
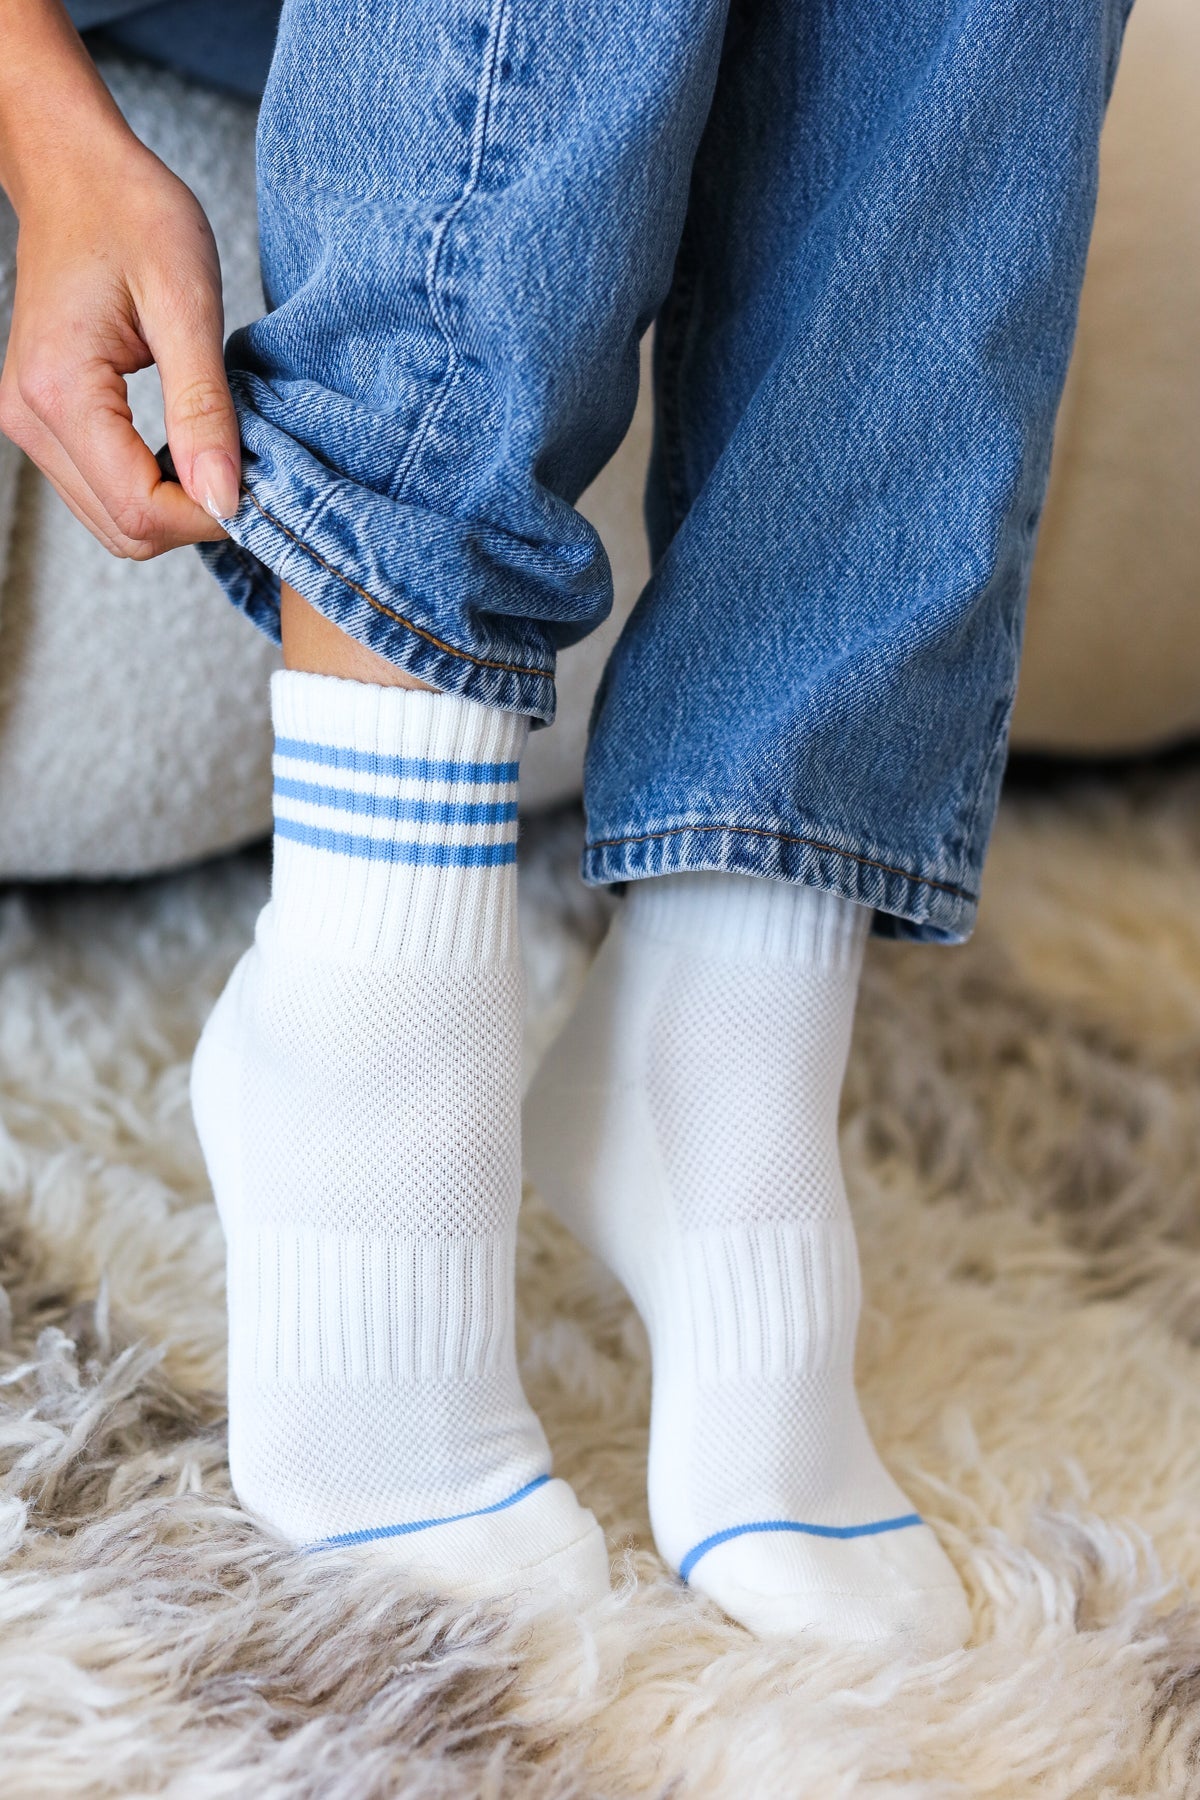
{"type": "Point", "coordinates": [861, 228]}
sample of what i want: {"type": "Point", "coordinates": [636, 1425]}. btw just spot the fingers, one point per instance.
{"type": "Point", "coordinates": [78, 428]}
{"type": "Point", "coordinates": [202, 427]}
{"type": "Point", "coordinates": [104, 291]}
{"type": "Point", "coordinates": [45, 450]}
{"type": "Point", "coordinates": [148, 513]}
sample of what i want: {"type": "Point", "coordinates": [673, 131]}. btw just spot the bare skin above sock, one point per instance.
{"type": "Point", "coordinates": [357, 1096]}
{"type": "Point", "coordinates": [685, 1128]}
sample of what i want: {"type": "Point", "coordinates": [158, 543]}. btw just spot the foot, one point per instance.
{"type": "Point", "coordinates": [356, 1092]}
{"type": "Point", "coordinates": [685, 1128]}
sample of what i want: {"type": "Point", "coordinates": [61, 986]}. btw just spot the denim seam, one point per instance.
{"type": "Point", "coordinates": [996, 750]}
{"type": "Point", "coordinates": [999, 743]}
{"type": "Point", "coordinates": [787, 837]}
{"type": "Point", "coordinates": [485, 104]}
{"type": "Point", "coordinates": [481, 662]}
{"type": "Point", "coordinates": [308, 521]}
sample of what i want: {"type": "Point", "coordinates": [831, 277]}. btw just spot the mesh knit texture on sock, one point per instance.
{"type": "Point", "coordinates": [685, 1126]}
{"type": "Point", "coordinates": [357, 1093]}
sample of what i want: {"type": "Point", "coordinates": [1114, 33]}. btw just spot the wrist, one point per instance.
{"type": "Point", "coordinates": [66, 166]}
{"type": "Point", "coordinates": [59, 125]}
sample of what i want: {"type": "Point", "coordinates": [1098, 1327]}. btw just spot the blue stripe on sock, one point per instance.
{"type": "Point", "coordinates": [823, 1531]}
{"type": "Point", "coordinates": [398, 850]}
{"type": "Point", "coordinates": [415, 768]}
{"type": "Point", "coordinates": [395, 806]}
{"type": "Point", "coordinates": [391, 1531]}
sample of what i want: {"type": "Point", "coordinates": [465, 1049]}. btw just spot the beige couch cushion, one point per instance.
{"type": "Point", "coordinates": [1112, 649]}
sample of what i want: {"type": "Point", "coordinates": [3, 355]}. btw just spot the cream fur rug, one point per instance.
{"type": "Point", "coordinates": [1022, 1133]}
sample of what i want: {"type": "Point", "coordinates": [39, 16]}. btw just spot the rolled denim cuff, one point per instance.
{"type": "Point", "coordinates": [433, 594]}
{"type": "Point", "coordinates": [908, 903]}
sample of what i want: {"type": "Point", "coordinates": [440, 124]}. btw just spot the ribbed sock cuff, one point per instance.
{"type": "Point", "coordinates": [751, 918]}
{"type": "Point", "coordinates": [395, 822]}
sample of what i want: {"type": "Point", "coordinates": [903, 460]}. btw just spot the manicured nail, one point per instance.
{"type": "Point", "coordinates": [216, 478]}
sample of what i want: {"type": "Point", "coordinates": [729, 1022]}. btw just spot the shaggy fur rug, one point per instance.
{"type": "Point", "coordinates": [1022, 1139]}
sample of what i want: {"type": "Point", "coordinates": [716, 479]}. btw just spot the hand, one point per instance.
{"type": "Point", "coordinates": [117, 269]}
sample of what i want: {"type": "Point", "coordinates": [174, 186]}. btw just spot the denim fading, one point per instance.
{"type": "Point", "coordinates": [861, 228]}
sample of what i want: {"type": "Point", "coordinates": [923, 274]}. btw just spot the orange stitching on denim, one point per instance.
{"type": "Point", "coordinates": [785, 837]}
{"type": "Point", "coordinates": [438, 644]}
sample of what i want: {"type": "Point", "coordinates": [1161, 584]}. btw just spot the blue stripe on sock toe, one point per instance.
{"type": "Point", "coordinates": [391, 1531]}
{"type": "Point", "coordinates": [406, 768]}
{"type": "Point", "coordinates": [871, 1529]}
{"type": "Point", "coordinates": [397, 850]}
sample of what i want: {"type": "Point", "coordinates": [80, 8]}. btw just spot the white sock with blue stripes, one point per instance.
{"type": "Point", "coordinates": [357, 1094]}
{"type": "Point", "coordinates": [685, 1127]}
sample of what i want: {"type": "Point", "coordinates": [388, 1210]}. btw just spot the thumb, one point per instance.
{"type": "Point", "coordinates": [202, 428]}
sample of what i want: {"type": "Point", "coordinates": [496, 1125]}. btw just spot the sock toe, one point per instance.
{"type": "Point", "coordinates": [898, 1588]}
{"type": "Point", "coordinates": [542, 1551]}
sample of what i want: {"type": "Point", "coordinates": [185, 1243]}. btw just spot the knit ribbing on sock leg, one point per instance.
{"type": "Point", "coordinates": [395, 822]}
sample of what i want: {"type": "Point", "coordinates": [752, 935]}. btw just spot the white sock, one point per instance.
{"type": "Point", "coordinates": [685, 1127]}
{"type": "Point", "coordinates": [357, 1094]}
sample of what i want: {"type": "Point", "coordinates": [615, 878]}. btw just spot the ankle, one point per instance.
{"type": "Point", "coordinates": [314, 645]}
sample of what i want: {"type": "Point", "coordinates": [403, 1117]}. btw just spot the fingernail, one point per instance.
{"type": "Point", "coordinates": [217, 480]}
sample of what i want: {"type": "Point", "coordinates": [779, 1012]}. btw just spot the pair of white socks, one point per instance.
{"type": "Point", "coordinates": [357, 1097]}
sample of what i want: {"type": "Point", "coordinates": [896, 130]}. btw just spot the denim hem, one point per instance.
{"type": "Point", "coordinates": [907, 905]}
{"type": "Point", "coordinates": [261, 550]}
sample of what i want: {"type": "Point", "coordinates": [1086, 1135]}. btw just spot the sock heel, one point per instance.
{"type": "Point", "coordinates": [214, 1087]}
{"type": "Point", "coordinates": [588, 1139]}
